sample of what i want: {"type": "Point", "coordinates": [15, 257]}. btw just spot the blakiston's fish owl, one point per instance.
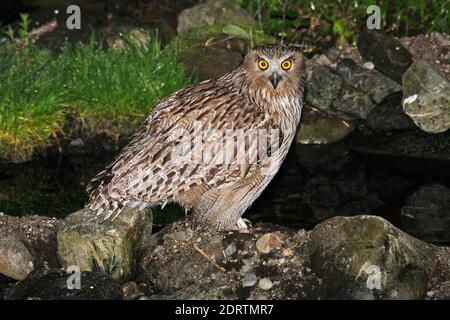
{"type": "Point", "coordinates": [190, 148]}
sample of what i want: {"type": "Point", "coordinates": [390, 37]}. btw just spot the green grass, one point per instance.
{"type": "Point", "coordinates": [41, 90]}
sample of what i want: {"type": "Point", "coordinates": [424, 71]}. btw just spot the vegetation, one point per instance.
{"type": "Point", "coordinates": [40, 90]}
{"type": "Point", "coordinates": [316, 20]}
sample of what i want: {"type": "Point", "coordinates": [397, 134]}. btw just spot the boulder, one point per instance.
{"type": "Point", "coordinates": [112, 246]}
{"type": "Point", "coordinates": [213, 12]}
{"type": "Point", "coordinates": [376, 85]}
{"type": "Point", "coordinates": [388, 115]}
{"type": "Point", "coordinates": [365, 257]}
{"type": "Point", "coordinates": [427, 97]}
{"type": "Point", "coordinates": [323, 87]}
{"type": "Point", "coordinates": [387, 53]}
{"type": "Point", "coordinates": [16, 261]}
{"type": "Point", "coordinates": [319, 128]}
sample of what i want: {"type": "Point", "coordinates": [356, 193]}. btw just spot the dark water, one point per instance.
{"type": "Point", "coordinates": [315, 183]}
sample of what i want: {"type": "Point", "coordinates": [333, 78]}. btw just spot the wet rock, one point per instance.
{"type": "Point", "coordinates": [389, 115]}
{"type": "Point", "coordinates": [265, 284]}
{"type": "Point", "coordinates": [428, 206]}
{"type": "Point", "coordinates": [319, 128]}
{"type": "Point", "coordinates": [249, 280]}
{"type": "Point", "coordinates": [376, 85]}
{"type": "Point", "coordinates": [365, 257]}
{"type": "Point", "coordinates": [26, 243]}
{"type": "Point", "coordinates": [323, 87]}
{"type": "Point", "coordinates": [427, 97]}
{"type": "Point", "coordinates": [387, 54]}
{"type": "Point", "coordinates": [415, 144]}
{"type": "Point", "coordinates": [353, 102]}
{"type": "Point", "coordinates": [54, 286]}
{"type": "Point", "coordinates": [112, 247]}
{"type": "Point", "coordinates": [213, 12]}
{"type": "Point", "coordinates": [268, 242]}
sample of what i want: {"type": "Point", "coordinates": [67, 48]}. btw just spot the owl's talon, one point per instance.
{"type": "Point", "coordinates": [241, 226]}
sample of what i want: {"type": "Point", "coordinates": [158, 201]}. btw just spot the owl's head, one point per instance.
{"type": "Point", "coordinates": [275, 68]}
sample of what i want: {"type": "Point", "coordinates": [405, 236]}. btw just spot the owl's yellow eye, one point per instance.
{"type": "Point", "coordinates": [263, 64]}
{"type": "Point", "coordinates": [286, 64]}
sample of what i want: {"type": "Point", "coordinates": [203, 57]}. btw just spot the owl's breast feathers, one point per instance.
{"type": "Point", "coordinates": [145, 170]}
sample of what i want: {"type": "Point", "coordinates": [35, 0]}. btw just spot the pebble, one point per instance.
{"type": "Point", "coordinates": [249, 280]}
{"type": "Point", "coordinates": [265, 284]}
{"type": "Point", "coordinates": [287, 252]}
{"type": "Point", "coordinates": [268, 242]}
{"type": "Point", "coordinates": [230, 250]}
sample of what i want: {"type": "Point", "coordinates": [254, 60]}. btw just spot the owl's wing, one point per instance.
{"type": "Point", "coordinates": [191, 139]}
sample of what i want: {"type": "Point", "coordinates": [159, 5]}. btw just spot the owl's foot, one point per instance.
{"type": "Point", "coordinates": [241, 226]}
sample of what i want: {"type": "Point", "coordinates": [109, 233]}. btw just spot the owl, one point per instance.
{"type": "Point", "coordinates": [211, 147]}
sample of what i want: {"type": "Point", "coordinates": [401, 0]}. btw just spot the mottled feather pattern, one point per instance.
{"type": "Point", "coordinates": [144, 172]}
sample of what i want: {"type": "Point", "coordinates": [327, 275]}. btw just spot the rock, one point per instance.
{"type": "Point", "coordinates": [319, 128]}
{"type": "Point", "coordinates": [323, 87]}
{"type": "Point", "coordinates": [409, 143]}
{"type": "Point", "coordinates": [386, 53]}
{"type": "Point", "coordinates": [27, 243]}
{"type": "Point", "coordinates": [249, 280]}
{"type": "Point", "coordinates": [213, 12]}
{"type": "Point", "coordinates": [365, 257]}
{"type": "Point", "coordinates": [16, 261]}
{"type": "Point", "coordinates": [265, 284]}
{"type": "Point", "coordinates": [231, 249]}
{"type": "Point", "coordinates": [389, 115]}
{"type": "Point", "coordinates": [428, 206]}
{"type": "Point", "coordinates": [53, 286]}
{"type": "Point", "coordinates": [268, 242]}
{"type": "Point", "coordinates": [376, 85]}
{"type": "Point", "coordinates": [353, 102]}
{"type": "Point", "coordinates": [427, 97]}
{"type": "Point", "coordinates": [112, 247]}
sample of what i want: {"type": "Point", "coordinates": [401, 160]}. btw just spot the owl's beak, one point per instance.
{"type": "Point", "coordinates": [275, 79]}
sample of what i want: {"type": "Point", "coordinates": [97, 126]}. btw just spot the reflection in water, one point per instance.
{"type": "Point", "coordinates": [315, 183]}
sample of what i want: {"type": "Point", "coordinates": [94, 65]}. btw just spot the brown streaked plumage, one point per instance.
{"type": "Point", "coordinates": [264, 94]}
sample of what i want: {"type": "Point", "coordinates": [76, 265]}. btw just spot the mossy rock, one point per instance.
{"type": "Point", "coordinates": [365, 257]}
{"type": "Point", "coordinates": [319, 128]}
{"type": "Point", "coordinates": [113, 247]}
{"type": "Point", "coordinates": [213, 12]}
